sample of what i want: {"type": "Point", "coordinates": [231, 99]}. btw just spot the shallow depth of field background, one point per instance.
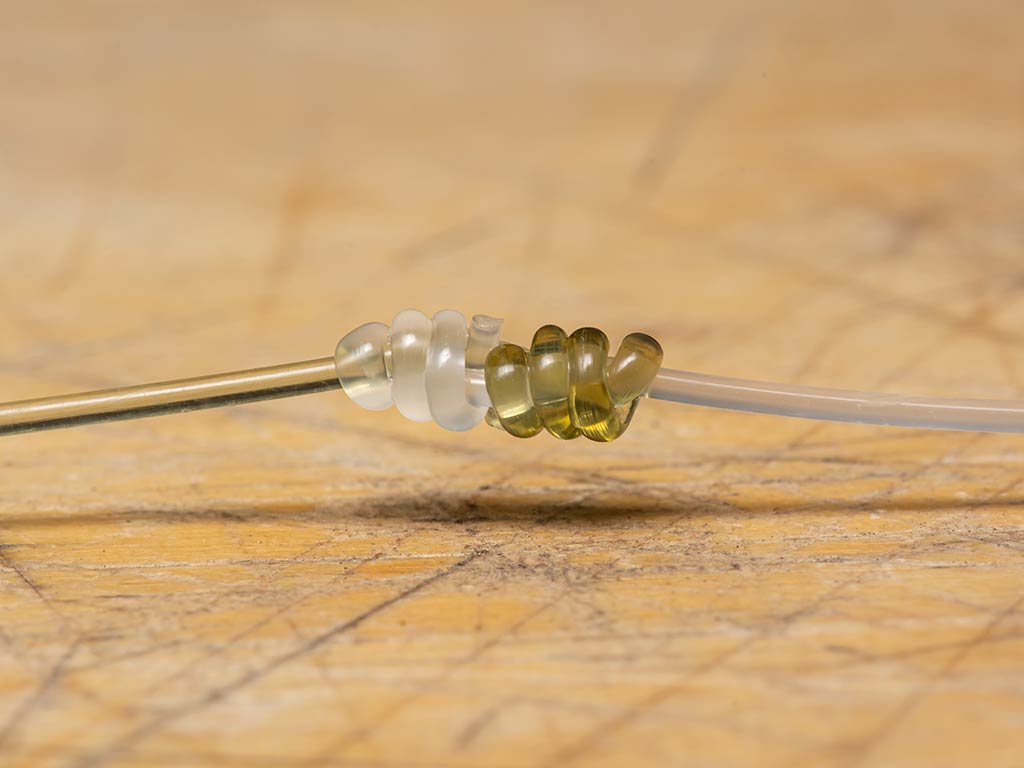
{"type": "Point", "coordinates": [824, 193]}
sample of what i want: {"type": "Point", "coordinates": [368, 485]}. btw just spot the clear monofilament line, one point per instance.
{"type": "Point", "coordinates": [837, 404]}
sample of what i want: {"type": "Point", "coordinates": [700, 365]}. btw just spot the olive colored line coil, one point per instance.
{"type": "Point", "coordinates": [567, 384]}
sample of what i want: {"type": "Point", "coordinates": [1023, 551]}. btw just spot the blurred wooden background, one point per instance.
{"type": "Point", "coordinates": [828, 193]}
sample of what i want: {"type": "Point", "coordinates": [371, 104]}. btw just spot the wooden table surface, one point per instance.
{"type": "Point", "coordinates": [826, 193]}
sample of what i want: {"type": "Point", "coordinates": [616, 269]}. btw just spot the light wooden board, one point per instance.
{"type": "Point", "coordinates": [826, 193]}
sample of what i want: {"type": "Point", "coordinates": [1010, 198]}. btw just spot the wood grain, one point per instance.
{"type": "Point", "coordinates": [828, 193]}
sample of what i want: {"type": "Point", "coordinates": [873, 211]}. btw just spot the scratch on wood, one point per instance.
{"type": "Point", "coordinates": [210, 697]}
{"type": "Point", "coordinates": [480, 723]}
{"type": "Point", "coordinates": [48, 684]}
{"type": "Point", "coordinates": [300, 201]}
{"type": "Point", "coordinates": [255, 626]}
{"type": "Point", "coordinates": [720, 61]}
{"type": "Point", "coordinates": [444, 242]}
{"type": "Point", "coordinates": [348, 740]}
{"type": "Point", "coordinates": [627, 717]}
{"type": "Point", "coordinates": [8, 563]}
{"type": "Point", "coordinates": [859, 753]}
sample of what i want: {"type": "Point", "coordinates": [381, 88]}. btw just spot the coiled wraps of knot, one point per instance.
{"type": "Point", "coordinates": [567, 385]}
{"type": "Point", "coordinates": [430, 368]}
